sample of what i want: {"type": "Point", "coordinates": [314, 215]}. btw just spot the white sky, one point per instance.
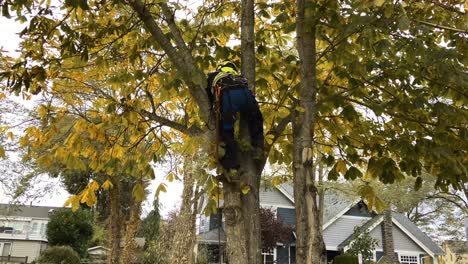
{"type": "Point", "coordinates": [9, 41]}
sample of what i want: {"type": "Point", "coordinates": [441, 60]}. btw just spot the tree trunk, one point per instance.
{"type": "Point", "coordinates": [387, 238]}
{"type": "Point", "coordinates": [128, 252]}
{"type": "Point", "coordinates": [184, 239]}
{"type": "Point", "coordinates": [304, 178]}
{"type": "Point", "coordinates": [115, 223]}
{"type": "Point", "coordinates": [235, 225]}
{"type": "Point", "coordinates": [250, 171]}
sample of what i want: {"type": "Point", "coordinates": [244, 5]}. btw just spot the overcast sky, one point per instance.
{"type": "Point", "coordinates": [9, 42]}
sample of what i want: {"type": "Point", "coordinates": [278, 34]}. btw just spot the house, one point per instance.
{"type": "Point", "coordinates": [341, 216]}
{"type": "Point", "coordinates": [456, 252]}
{"type": "Point", "coordinates": [23, 232]}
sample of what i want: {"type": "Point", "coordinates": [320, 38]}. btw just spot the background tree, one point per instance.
{"type": "Point", "coordinates": [362, 244]}
{"type": "Point", "coordinates": [150, 225]}
{"type": "Point", "coordinates": [67, 228]}
{"type": "Point", "coordinates": [273, 230]}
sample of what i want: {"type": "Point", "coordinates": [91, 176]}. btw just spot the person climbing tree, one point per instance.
{"type": "Point", "coordinates": [229, 94]}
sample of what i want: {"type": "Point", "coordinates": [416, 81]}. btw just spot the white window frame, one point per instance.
{"type": "Point", "coordinates": [270, 253]}
{"type": "Point", "coordinates": [409, 254]}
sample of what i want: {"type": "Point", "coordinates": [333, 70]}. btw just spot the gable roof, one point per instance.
{"type": "Point", "coordinates": [414, 231]}
{"type": "Point", "coordinates": [410, 229]}
{"type": "Point", "coordinates": [337, 204]}
{"type": "Point", "coordinates": [29, 211]}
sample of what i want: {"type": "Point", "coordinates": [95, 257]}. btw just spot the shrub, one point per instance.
{"type": "Point", "coordinates": [345, 259]}
{"type": "Point", "coordinates": [59, 255]}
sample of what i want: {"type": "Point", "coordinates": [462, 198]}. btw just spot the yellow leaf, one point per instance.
{"type": "Point", "coordinates": [2, 96]}
{"type": "Point", "coordinates": [139, 192]}
{"type": "Point", "coordinates": [107, 185]}
{"type": "Point", "coordinates": [245, 189]}
{"type": "Point", "coordinates": [341, 167]}
{"type": "Point", "coordinates": [2, 153]}
{"type": "Point", "coordinates": [161, 188]}
{"type": "Point", "coordinates": [93, 186]}
{"type": "Point", "coordinates": [73, 201]}
{"type": "Point", "coordinates": [10, 136]}
{"type": "Point", "coordinates": [379, 2]}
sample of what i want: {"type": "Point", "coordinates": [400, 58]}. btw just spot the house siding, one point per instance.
{"type": "Point", "coordinates": [401, 240]}
{"type": "Point", "coordinates": [31, 249]}
{"type": "Point", "coordinates": [341, 229]}
{"type": "Point", "coordinates": [287, 215]}
{"type": "Point", "coordinates": [273, 197]}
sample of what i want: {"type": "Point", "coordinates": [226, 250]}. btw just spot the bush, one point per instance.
{"type": "Point", "coordinates": [345, 259]}
{"type": "Point", "coordinates": [59, 255]}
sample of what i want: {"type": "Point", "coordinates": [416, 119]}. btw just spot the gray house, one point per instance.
{"type": "Point", "coordinates": [23, 232]}
{"type": "Point", "coordinates": [341, 216]}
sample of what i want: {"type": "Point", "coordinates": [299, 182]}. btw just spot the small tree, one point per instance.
{"type": "Point", "coordinates": [67, 228]}
{"type": "Point", "coordinates": [363, 243]}
{"type": "Point", "coordinates": [149, 228]}
{"type": "Point", "coordinates": [59, 255]}
{"type": "Point", "coordinates": [273, 229]}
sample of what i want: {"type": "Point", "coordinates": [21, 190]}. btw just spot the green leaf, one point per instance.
{"type": "Point", "coordinates": [353, 173]}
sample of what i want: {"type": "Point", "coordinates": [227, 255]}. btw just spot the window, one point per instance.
{"type": "Point", "coordinates": [34, 228]}
{"type": "Point", "coordinates": [407, 259]}
{"type": "Point", "coordinates": [6, 247]}
{"type": "Point", "coordinates": [268, 257]}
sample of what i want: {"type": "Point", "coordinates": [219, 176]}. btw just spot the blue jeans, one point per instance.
{"type": "Point", "coordinates": [239, 101]}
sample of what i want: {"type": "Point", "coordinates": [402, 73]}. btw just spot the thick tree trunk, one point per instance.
{"type": "Point", "coordinates": [115, 223]}
{"type": "Point", "coordinates": [304, 170]}
{"type": "Point", "coordinates": [250, 171]}
{"type": "Point", "coordinates": [183, 242]}
{"type": "Point", "coordinates": [235, 225]}
{"type": "Point", "coordinates": [128, 252]}
{"type": "Point", "coordinates": [387, 238]}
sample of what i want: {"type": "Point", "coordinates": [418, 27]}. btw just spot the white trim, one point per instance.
{"type": "Point", "coordinates": [290, 198]}
{"type": "Point", "coordinates": [413, 238]}
{"type": "Point", "coordinates": [335, 248]}
{"type": "Point", "coordinates": [277, 205]}
{"type": "Point", "coordinates": [356, 217]}
{"type": "Point", "coordinates": [342, 212]}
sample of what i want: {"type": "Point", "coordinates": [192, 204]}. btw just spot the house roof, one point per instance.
{"type": "Point", "coordinates": [212, 236]}
{"type": "Point", "coordinates": [29, 211]}
{"type": "Point", "coordinates": [335, 202]}
{"type": "Point", "coordinates": [417, 233]}
{"type": "Point", "coordinates": [457, 247]}
{"type": "Point", "coordinates": [365, 227]}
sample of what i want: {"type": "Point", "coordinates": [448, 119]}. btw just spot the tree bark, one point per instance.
{"type": "Point", "coordinates": [311, 240]}
{"type": "Point", "coordinates": [235, 225]}
{"type": "Point", "coordinates": [251, 173]}
{"type": "Point", "coordinates": [387, 238]}
{"type": "Point", "coordinates": [115, 223]}
{"type": "Point", "coordinates": [183, 242]}
{"type": "Point", "coordinates": [128, 252]}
